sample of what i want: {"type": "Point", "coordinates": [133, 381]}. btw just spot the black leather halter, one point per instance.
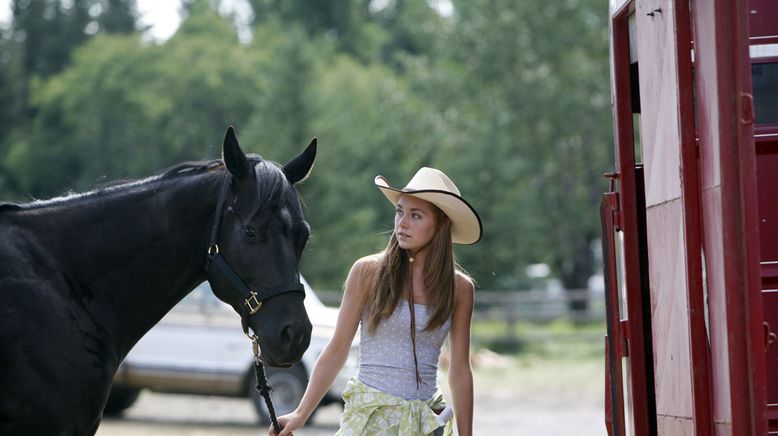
{"type": "Point", "coordinates": [217, 267]}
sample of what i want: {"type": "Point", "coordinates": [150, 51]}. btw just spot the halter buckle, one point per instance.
{"type": "Point", "coordinates": [253, 303]}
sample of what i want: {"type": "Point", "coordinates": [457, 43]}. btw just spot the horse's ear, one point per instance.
{"type": "Point", "coordinates": [233, 156]}
{"type": "Point", "coordinates": [300, 166]}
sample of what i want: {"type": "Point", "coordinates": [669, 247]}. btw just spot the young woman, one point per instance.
{"type": "Point", "coordinates": [405, 301]}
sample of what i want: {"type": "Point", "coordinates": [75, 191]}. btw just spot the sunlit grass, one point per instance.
{"type": "Point", "coordinates": [560, 326]}
{"type": "Point", "coordinates": [560, 339]}
{"type": "Point", "coordinates": [558, 361]}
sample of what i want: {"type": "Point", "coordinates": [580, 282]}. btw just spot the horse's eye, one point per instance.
{"type": "Point", "coordinates": [250, 232]}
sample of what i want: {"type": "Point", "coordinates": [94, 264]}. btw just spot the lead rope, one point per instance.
{"type": "Point", "coordinates": [413, 328]}
{"type": "Point", "coordinates": [263, 387]}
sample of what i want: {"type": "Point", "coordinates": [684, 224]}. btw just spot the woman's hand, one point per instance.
{"type": "Point", "coordinates": [288, 423]}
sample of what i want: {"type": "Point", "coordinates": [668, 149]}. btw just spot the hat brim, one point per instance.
{"type": "Point", "coordinates": [466, 227]}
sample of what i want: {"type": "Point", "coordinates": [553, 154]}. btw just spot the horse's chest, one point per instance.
{"type": "Point", "coordinates": [55, 363]}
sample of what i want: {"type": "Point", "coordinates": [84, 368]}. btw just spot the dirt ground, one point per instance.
{"type": "Point", "coordinates": [532, 397]}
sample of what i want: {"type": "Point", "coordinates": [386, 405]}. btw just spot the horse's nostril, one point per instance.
{"type": "Point", "coordinates": [293, 336]}
{"type": "Point", "coordinates": [287, 336]}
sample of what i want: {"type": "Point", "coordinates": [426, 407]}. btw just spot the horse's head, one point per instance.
{"type": "Point", "coordinates": [261, 238]}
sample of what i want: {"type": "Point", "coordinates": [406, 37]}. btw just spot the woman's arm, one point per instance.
{"type": "Point", "coordinates": [335, 353]}
{"type": "Point", "coordinates": [460, 375]}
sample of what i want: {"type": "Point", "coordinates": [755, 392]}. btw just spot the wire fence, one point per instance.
{"type": "Point", "coordinates": [520, 318]}
{"type": "Point", "coordinates": [580, 305]}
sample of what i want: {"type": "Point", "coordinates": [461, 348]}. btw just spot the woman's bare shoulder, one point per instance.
{"type": "Point", "coordinates": [464, 288]}
{"type": "Point", "coordinates": [463, 282]}
{"type": "Point", "coordinates": [371, 260]}
{"type": "Point", "coordinates": [364, 269]}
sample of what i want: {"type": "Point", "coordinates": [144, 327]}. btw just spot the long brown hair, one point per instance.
{"type": "Point", "coordinates": [392, 277]}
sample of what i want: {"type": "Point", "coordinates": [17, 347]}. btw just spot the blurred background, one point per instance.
{"type": "Point", "coordinates": [510, 98]}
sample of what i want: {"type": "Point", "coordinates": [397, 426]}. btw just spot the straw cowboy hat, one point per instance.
{"type": "Point", "coordinates": [432, 185]}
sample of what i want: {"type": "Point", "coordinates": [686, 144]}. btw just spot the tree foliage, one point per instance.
{"type": "Point", "coordinates": [38, 45]}
{"type": "Point", "coordinates": [538, 71]}
{"type": "Point", "coordinates": [508, 98]}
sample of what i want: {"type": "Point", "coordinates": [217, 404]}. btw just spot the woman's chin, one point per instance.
{"type": "Point", "coordinates": [405, 245]}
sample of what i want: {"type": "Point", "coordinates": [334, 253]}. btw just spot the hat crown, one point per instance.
{"type": "Point", "coordinates": [434, 186]}
{"type": "Point", "coordinates": [431, 179]}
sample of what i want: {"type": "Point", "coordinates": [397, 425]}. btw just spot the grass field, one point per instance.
{"type": "Point", "coordinates": [559, 357]}
{"type": "Point", "coordinates": [544, 382]}
{"type": "Point", "coordinates": [559, 339]}
{"type": "Point", "coordinates": [556, 364]}
{"type": "Point", "coordinates": [551, 383]}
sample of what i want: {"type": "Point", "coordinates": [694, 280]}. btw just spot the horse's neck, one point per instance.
{"type": "Point", "coordinates": [133, 255]}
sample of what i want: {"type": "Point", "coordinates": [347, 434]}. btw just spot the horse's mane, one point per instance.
{"type": "Point", "coordinates": [180, 170]}
{"type": "Point", "coordinates": [187, 168]}
{"type": "Point", "coordinates": [9, 206]}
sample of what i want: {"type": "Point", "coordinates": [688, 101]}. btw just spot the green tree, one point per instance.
{"type": "Point", "coordinates": [48, 31]}
{"type": "Point", "coordinates": [9, 110]}
{"type": "Point", "coordinates": [533, 96]}
{"type": "Point", "coordinates": [368, 123]}
{"type": "Point", "coordinates": [282, 115]}
{"type": "Point", "coordinates": [347, 23]}
{"type": "Point", "coordinates": [509, 98]}
{"type": "Point", "coordinates": [364, 118]}
{"type": "Point", "coordinates": [411, 28]}
{"type": "Point", "coordinates": [315, 16]}
{"type": "Point", "coordinates": [118, 16]}
{"type": "Point", "coordinates": [124, 108]}
{"type": "Point", "coordinates": [39, 44]}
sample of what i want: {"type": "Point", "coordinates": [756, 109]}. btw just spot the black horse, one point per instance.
{"type": "Point", "coordinates": [84, 277]}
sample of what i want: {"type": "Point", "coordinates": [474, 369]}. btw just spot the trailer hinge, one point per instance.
{"type": "Point", "coordinates": [624, 334]}
{"type": "Point", "coordinates": [613, 200]}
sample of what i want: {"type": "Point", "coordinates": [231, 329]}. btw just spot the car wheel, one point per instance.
{"type": "Point", "coordinates": [120, 399]}
{"type": "Point", "coordinates": [288, 388]}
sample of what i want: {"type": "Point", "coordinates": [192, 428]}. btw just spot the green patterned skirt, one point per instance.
{"type": "Point", "coordinates": [370, 412]}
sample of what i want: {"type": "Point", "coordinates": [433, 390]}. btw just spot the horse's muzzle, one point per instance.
{"type": "Point", "coordinates": [293, 338]}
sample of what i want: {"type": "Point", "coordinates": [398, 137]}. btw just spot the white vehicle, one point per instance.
{"type": "Point", "coordinates": [199, 348]}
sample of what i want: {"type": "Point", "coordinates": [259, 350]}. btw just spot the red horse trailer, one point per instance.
{"type": "Point", "coordinates": [690, 225]}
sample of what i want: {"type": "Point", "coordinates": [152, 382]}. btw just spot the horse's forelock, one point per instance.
{"type": "Point", "coordinates": [271, 181]}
